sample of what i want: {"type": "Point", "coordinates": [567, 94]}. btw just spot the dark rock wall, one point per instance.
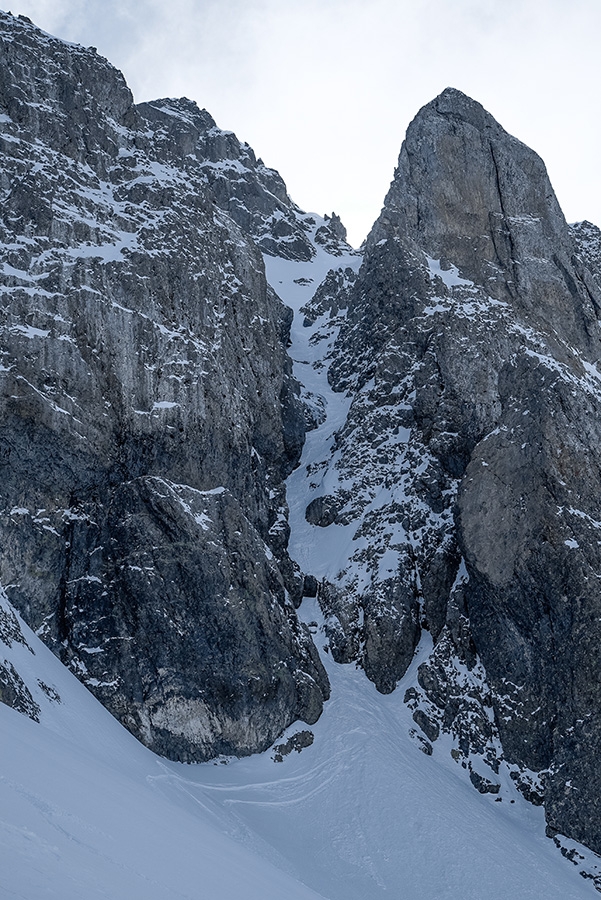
{"type": "Point", "coordinates": [148, 417]}
{"type": "Point", "coordinates": [473, 322]}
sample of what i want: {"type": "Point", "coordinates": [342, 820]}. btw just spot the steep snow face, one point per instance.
{"type": "Point", "coordinates": [360, 814]}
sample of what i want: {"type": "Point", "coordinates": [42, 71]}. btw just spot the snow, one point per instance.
{"type": "Point", "coordinates": [164, 404]}
{"type": "Point", "coordinates": [319, 551]}
{"type": "Point", "coordinates": [362, 814]}
{"type": "Point", "coordinates": [449, 276]}
{"type": "Point", "coordinates": [105, 252]}
{"type": "Point", "coordinates": [30, 332]}
{"type": "Point", "coordinates": [369, 478]}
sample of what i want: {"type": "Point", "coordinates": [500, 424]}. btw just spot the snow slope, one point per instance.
{"type": "Point", "coordinates": [362, 814]}
{"type": "Point", "coordinates": [87, 812]}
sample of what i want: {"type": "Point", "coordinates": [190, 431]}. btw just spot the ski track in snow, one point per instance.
{"type": "Point", "coordinates": [361, 814]}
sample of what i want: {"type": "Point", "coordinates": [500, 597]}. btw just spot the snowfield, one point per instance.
{"type": "Point", "coordinates": [362, 814]}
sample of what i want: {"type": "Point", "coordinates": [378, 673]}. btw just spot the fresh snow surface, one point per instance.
{"type": "Point", "coordinates": [362, 814]}
{"type": "Point", "coordinates": [322, 552]}
{"type": "Point", "coordinates": [86, 812]}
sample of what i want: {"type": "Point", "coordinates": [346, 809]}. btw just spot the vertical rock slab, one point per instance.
{"type": "Point", "coordinates": [148, 416]}
{"type": "Point", "coordinates": [473, 326]}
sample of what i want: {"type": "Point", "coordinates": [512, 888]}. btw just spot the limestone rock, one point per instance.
{"type": "Point", "coordinates": [470, 456]}
{"type": "Point", "coordinates": [15, 693]}
{"type": "Point", "coordinates": [587, 238]}
{"type": "Point", "coordinates": [148, 412]}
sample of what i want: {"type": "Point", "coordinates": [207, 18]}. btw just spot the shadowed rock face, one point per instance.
{"type": "Point", "coordinates": [473, 326]}
{"type": "Point", "coordinates": [148, 413]}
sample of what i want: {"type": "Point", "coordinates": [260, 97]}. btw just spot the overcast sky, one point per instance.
{"type": "Point", "coordinates": [323, 90]}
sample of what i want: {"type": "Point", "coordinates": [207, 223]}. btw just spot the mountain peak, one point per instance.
{"type": "Point", "coordinates": [469, 192]}
{"type": "Point", "coordinates": [453, 104]}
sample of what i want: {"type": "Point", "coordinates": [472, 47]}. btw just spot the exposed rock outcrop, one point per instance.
{"type": "Point", "coordinates": [469, 463]}
{"type": "Point", "coordinates": [148, 412]}
{"type": "Point", "coordinates": [588, 245]}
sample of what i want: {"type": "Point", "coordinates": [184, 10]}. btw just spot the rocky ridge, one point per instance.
{"type": "Point", "coordinates": [253, 195]}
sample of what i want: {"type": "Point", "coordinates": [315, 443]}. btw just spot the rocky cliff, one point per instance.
{"type": "Point", "coordinates": [468, 467]}
{"type": "Point", "coordinates": [448, 493]}
{"type": "Point", "coordinates": [148, 413]}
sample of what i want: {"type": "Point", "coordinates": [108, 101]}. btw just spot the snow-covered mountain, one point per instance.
{"type": "Point", "coordinates": [464, 481]}
{"type": "Point", "coordinates": [247, 468]}
{"type": "Point", "coordinates": [149, 417]}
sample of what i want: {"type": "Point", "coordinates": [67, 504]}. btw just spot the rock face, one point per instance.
{"type": "Point", "coordinates": [253, 195]}
{"type": "Point", "coordinates": [588, 244]}
{"type": "Point", "coordinates": [469, 465]}
{"type": "Point", "coordinates": [149, 420]}
{"type": "Point", "coordinates": [148, 413]}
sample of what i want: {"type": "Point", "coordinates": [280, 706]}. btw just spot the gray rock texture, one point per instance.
{"type": "Point", "coordinates": [148, 421]}
{"type": "Point", "coordinates": [587, 238]}
{"type": "Point", "coordinates": [469, 463]}
{"type": "Point", "coordinates": [13, 689]}
{"type": "Point", "coordinates": [252, 194]}
{"type": "Point", "coordinates": [148, 416]}
{"type": "Point", "coordinates": [15, 693]}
